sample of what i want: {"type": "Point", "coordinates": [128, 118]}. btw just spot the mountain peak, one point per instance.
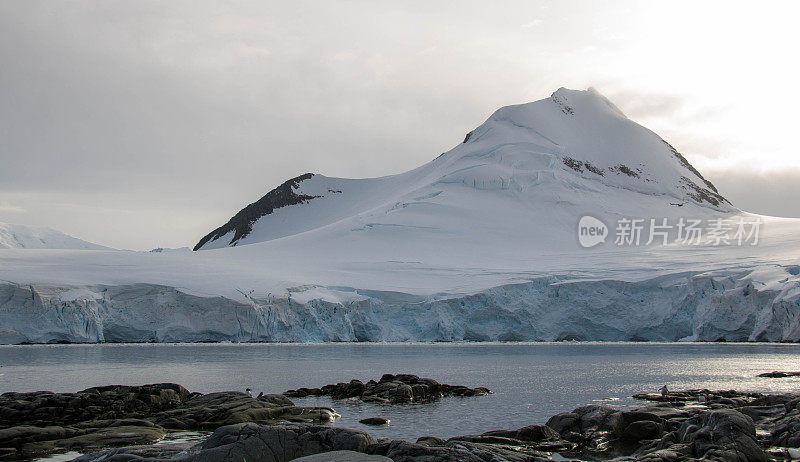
{"type": "Point", "coordinates": [589, 99]}
{"type": "Point", "coordinates": [574, 148]}
{"type": "Point", "coordinates": [562, 104]}
{"type": "Point", "coordinates": [592, 136]}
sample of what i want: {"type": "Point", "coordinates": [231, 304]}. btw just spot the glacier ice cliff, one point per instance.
{"type": "Point", "coordinates": [688, 306]}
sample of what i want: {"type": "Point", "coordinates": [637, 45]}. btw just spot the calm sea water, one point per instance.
{"type": "Point", "coordinates": [530, 381]}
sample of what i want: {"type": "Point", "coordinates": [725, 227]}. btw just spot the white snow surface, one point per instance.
{"type": "Point", "coordinates": [14, 236]}
{"type": "Point", "coordinates": [478, 244]}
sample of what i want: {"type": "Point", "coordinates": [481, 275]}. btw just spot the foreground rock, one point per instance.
{"type": "Point", "coordinates": [342, 456]}
{"type": "Point", "coordinates": [691, 425]}
{"type": "Point", "coordinates": [100, 417]}
{"type": "Point", "coordinates": [281, 443]}
{"type": "Point", "coordinates": [400, 388]}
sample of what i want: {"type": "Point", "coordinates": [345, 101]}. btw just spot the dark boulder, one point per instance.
{"type": "Point", "coordinates": [723, 435]}
{"type": "Point", "coordinates": [642, 430]}
{"type": "Point", "coordinates": [375, 421]}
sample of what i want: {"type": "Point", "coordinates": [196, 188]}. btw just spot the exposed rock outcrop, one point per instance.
{"type": "Point", "coordinates": [242, 223]}
{"type": "Point", "coordinates": [400, 388]}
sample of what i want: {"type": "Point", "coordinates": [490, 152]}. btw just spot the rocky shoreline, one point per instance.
{"type": "Point", "coordinates": [670, 426]}
{"type": "Point", "coordinates": [36, 423]}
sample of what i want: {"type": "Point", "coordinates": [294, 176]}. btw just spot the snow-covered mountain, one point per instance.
{"type": "Point", "coordinates": [574, 149]}
{"type": "Point", "coordinates": [481, 243]}
{"type": "Point", "coordinates": [32, 237]}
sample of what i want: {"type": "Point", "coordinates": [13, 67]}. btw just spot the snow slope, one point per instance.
{"type": "Point", "coordinates": [574, 148]}
{"type": "Point", "coordinates": [478, 244]}
{"type": "Point", "coordinates": [32, 237]}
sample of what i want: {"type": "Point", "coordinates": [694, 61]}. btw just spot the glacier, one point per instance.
{"type": "Point", "coordinates": [729, 306]}
{"type": "Point", "coordinates": [479, 244]}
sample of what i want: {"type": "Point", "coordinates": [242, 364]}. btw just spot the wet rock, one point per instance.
{"type": "Point", "coordinates": [713, 430]}
{"type": "Point", "coordinates": [456, 450]}
{"type": "Point", "coordinates": [531, 433]}
{"type": "Point", "coordinates": [276, 399]}
{"type": "Point", "coordinates": [375, 421]}
{"type": "Point", "coordinates": [45, 408]}
{"type": "Point", "coordinates": [213, 410]}
{"type": "Point", "coordinates": [702, 425]}
{"type": "Point", "coordinates": [564, 422]}
{"type": "Point", "coordinates": [785, 428]}
{"type": "Point", "coordinates": [342, 456]}
{"type": "Point", "coordinates": [109, 416]}
{"type": "Point", "coordinates": [587, 419]}
{"type": "Point", "coordinates": [400, 388]}
{"type": "Point", "coordinates": [431, 441]}
{"type": "Point", "coordinates": [657, 413]}
{"type": "Point", "coordinates": [779, 374]}
{"type": "Point", "coordinates": [642, 430]}
{"type": "Point", "coordinates": [725, 397]}
{"type": "Point", "coordinates": [28, 440]}
{"type": "Point", "coordinates": [725, 434]}
{"type": "Point", "coordinates": [405, 451]}
{"type": "Point", "coordinates": [684, 425]}
{"type": "Point", "coordinates": [279, 443]}
{"type": "Point", "coordinates": [761, 412]}
{"type": "Point", "coordinates": [137, 453]}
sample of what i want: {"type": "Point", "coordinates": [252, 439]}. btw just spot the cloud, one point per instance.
{"type": "Point", "coordinates": [5, 207]}
{"type": "Point", "coordinates": [642, 106]}
{"type": "Point", "coordinates": [765, 193]}
{"type": "Point", "coordinates": [163, 107]}
{"type": "Point", "coordinates": [535, 23]}
{"type": "Point", "coordinates": [678, 121]}
{"type": "Point", "coordinates": [212, 106]}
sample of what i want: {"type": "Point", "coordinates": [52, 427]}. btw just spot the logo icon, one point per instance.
{"type": "Point", "coordinates": [591, 231]}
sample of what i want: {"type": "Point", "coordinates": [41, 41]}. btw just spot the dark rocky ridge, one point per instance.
{"type": "Point", "coordinates": [697, 193]}
{"type": "Point", "coordinates": [689, 166]}
{"type": "Point", "coordinates": [242, 222]}
{"type": "Point", "coordinates": [400, 388]}
{"type": "Point", "coordinates": [700, 194]}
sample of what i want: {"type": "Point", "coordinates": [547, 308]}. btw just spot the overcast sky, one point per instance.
{"type": "Point", "coordinates": [139, 124]}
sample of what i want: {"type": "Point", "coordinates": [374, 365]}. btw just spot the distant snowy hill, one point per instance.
{"type": "Point", "coordinates": [33, 237]}
{"type": "Point", "coordinates": [480, 244]}
{"type": "Point", "coordinates": [555, 152]}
